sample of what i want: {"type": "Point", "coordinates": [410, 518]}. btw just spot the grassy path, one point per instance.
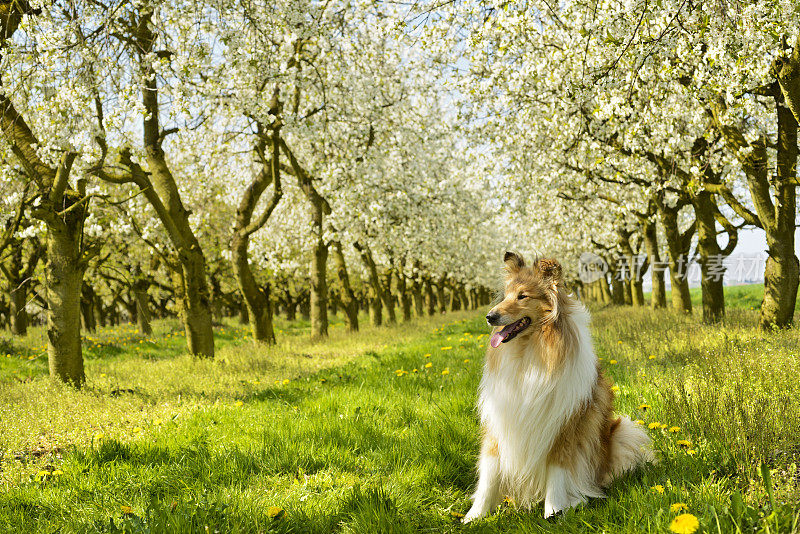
{"type": "Point", "coordinates": [377, 433]}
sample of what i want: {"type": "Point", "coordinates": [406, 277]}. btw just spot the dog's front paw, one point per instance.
{"type": "Point", "coordinates": [476, 512]}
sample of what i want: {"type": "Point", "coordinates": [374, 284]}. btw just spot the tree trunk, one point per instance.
{"type": "Point", "coordinates": [99, 310]}
{"type": "Point", "coordinates": [711, 258]}
{"type": "Point", "coordinates": [440, 294]}
{"type": "Point", "coordinates": [159, 187]}
{"type": "Point", "coordinates": [195, 303]}
{"type": "Point", "coordinates": [305, 307]}
{"type": "Point", "coordinates": [256, 298]}
{"type": "Point", "coordinates": [291, 307]}
{"type": "Point", "coordinates": [386, 294]}
{"type": "Point", "coordinates": [140, 297]}
{"type": "Point", "coordinates": [782, 272]}
{"type": "Point", "coordinates": [430, 296]}
{"type": "Point", "coordinates": [18, 274]}
{"type": "Point", "coordinates": [402, 290]}
{"type": "Point", "coordinates": [87, 308]}
{"type": "Point", "coordinates": [678, 250]}
{"type": "Point", "coordinates": [319, 286]}
{"type": "Point", "coordinates": [18, 317]}
{"type": "Point", "coordinates": [617, 291]}
{"type": "Point", "coordinates": [419, 301]}
{"type": "Point", "coordinates": [375, 292]}
{"type": "Point", "coordinates": [658, 296]}
{"type": "Point", "coordinates": [349, 302]}
{"type": "Point", "coordinates": [64, 270]}
{"type": "Point", "coordinates": [244, 314]}
{"type": "Point", "coordinates": [462, 296]}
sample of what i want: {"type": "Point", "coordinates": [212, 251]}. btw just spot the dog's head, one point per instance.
{"type": "Point", "coordinates": [531, 298]}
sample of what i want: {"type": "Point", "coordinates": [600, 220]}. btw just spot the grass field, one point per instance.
{"type": "Point", "coordinates": [377, 432]}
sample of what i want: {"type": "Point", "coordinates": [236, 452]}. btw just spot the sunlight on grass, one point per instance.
{"type": "Point", "coordinates": [377, 432]}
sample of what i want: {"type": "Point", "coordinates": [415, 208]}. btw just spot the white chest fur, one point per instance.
{"type": "Point", "coordinates": [524, 408]}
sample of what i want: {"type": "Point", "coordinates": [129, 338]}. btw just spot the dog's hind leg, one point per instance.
{"type": "Point", "coordinates": [487, 495]}
{"type": "Point", "coordinates": [561, 492]}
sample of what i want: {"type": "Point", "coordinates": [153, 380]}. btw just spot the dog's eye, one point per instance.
{"type": "Point", "coordinates": [521, 296]}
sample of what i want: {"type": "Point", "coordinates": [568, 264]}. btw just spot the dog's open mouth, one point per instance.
{"type": "Point", "coordinates": [509, 332]}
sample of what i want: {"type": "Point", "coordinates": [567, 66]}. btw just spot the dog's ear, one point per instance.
{"type": "Point", "coordinates": [550, 271]}
{"type": "Point", "coordinates": [553, 277]}
{"type": "Point", "coordinates": [514, 262]}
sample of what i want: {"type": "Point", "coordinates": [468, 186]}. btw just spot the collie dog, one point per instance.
{"type": "Point", "coordinates": [545, 407]}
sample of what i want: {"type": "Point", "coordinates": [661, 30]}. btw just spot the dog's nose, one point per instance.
{"type": "Point", "coordinates": [492, 318]}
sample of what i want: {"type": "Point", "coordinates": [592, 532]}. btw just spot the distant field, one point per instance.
{"type": "Point", "coordinates": [747, 297]}
{"type": "Point", "coordinates": [377, 432]}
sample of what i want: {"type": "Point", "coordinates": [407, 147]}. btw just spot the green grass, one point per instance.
{"type": "Point", "coordinates": [744, 297]}
{"type": "Point", "coordinates": [341, 440]}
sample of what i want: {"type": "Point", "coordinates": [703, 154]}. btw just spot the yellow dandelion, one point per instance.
{"type": "Point", "coordinates": [285, 381]}
{"type": "Point", "coordinates": [415, 370]}
{"type": "Point", "coordinates": [639, 422]}
{"type": "Point", "coordinates": [126, 509]}
{"type": "Point", "coordinates": [428, 365]}
{"type": "Point", "coordinates": [466, 361]}
{"type": "Point", "coordinates": [239, 403]}
{"type": "Point", "coordinates": [42, 474]}
{"type": "Point", "coordinates": [98, 437]}
{"type": "Point", "coordinates": [651, 357]}
{"type": "Point", "coordinates": [57, 472]}
{"type": "Point", "coordinates": [612, 362]}
{"type": "Point", "coordinates": [684, 442]}
{"type": "Point", "coordinates": [644, 407]}
{"type": "Point", "coordinates": [691, 452]}
{"type": "Point", "coordinates": [456, 515]}
{"type": "Point", "coordinates": [275, 512]}
{"type": "Point", "coordinates": [678, 507]}
{"type": "Point", "coordinates": [658, 488]}
{"type": "Point", "coordinates": [674, 429]}
{"type": "Point", "coordinates": [447, 348]}
{"type": "Point", "coordinates": [654, 425]}
{"type": "Point", "coordinates": [684, 524]}
{"type": "Point", "coordinates": [446, 371]}
{"type": "Point", "coordinates": [615, 388]}
{"type": "Point", "coordinates": [426, 355]}
{"type": "Point", "coordinates": [619, 342]}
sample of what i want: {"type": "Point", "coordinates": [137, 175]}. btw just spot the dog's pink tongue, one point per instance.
{"type": "Point", "coordinates": [496, 340]}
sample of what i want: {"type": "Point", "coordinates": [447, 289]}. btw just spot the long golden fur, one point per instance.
{"type": "Point", "coordinates": [549, 431]}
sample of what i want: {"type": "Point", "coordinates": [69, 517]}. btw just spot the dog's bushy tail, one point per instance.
{"type": "Point", "coordinates": [630, 446]}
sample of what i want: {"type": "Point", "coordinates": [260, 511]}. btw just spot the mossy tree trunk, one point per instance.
{"type": "Point", "coordinates": [678, 244]}
{"type": "Point", "coordinates": [403, 290]}
{"type": "Point", "coordinates": [319, 258]}
{"type": "Point", "coordinates": [257, 296]}
{"type": "Point", "coordinates": [18, 270]}
{"type": "Point", "coordinates": [139, 288]}
{"type": "Point", "coordinates": [63, 209]}
{"type": "Point", "coordinates": [416, 289]}
{"type": "Point", "coordinates": [440, 293]}
{"type": "Point", "coordinates": [386, 295]}
{"type": "Point", "coordinates": [347, 295]}
{"type": "Point", "coordinates": [775, 215]}
{"type": "Point", "coordinates": [87, 308]}
{"type": "Point", "coordinates": [430, 296]}
{"type": "Point", "coordinates": [658, 295]}
{"type": "Point", "coordinates": [375, 290]}
{"type": "Point", "coordinates": [160, 189]}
